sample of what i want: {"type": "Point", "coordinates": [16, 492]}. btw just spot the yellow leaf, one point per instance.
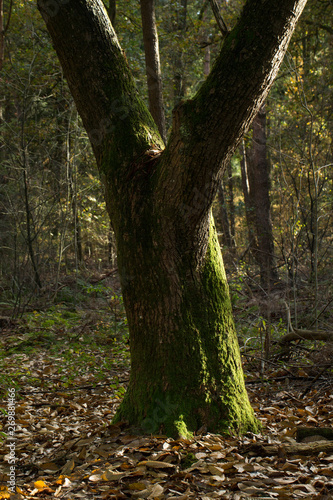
{"type": "Point", "coordinates": [40, 485]}
{"type": "Point", "coordinates": [4, 493]}
{"type": "Point", "coordinates": [215, 447]}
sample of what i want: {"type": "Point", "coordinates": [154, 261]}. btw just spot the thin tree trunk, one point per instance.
{"type": "Point", "coordinates": [179, 80]}
{"type": "Point", "coordinates": [231, 202]}
{"type": "Point", "coordinates": [261, 175]}
{"type": "Point", "coordinates": [249, 202]}
{"type": "Point", "coordinates": [3, 29]}
{"type": "Point", "coordinates": [29, 236]}
{"type": "Point", "coordinates": [207, 61]}
{"type": "Point", "coordinates": [256, 194]}
{"type": "Point", "coordinates": [28, 214]}
{"type": "Point", "coordinates": [112, 11]}
{"type": "Point", "coordinates": [218, 17]}
{"type": "Point", "coordinates": [153, 67]}
{"type": "Point", "coordinates": [227, 238]}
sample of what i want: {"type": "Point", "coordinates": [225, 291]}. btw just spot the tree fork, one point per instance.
{"type": "Point", "coordinates": [185, 362]}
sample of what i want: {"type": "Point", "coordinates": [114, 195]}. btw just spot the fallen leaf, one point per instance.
{"type": "Point", "coordinates": [155, 464]}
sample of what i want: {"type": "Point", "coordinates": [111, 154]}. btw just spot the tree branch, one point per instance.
{"type": "Point", "coordinates": [119, 125]}
{"type": "Point", "coordinates": [324, 27]}
{"type": "Point", "coordinates": [9, 17]}
{"type": "Point", "coordinates": [298, 334]}
{"type": "Point", "coordinates": [218, 17]}
{"type": "Point", "coordinates": [210, 126]}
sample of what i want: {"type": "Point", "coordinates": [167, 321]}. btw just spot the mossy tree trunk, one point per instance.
{"type": "Point", "coordinates": [185, 363]}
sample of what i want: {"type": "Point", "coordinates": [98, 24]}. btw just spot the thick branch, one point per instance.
{"type": "Point", "coordinates": [297, 334]}
{"type": "Point", "coordinates": [292, 449]}
{"type": "Point", "coordinates": [118, 123]}
{"type": "Point", "coordinates": [208, 128]}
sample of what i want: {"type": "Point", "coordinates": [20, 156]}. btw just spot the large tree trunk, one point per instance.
{"type": "Point", "coordinates": [185, 363]}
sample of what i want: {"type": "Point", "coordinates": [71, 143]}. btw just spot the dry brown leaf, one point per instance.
{"type": "Point", "coordinates": [216, 470]}
{"type": "Point", "coordinates": [49, 467]}
{"type": "Point", "coordinates": [95, 477]}
{"type": "Point", "coordinates": [156, 491]}
{"type": "Point", "coordinates": [68, 467]}
{"type": "Point", "coordinates": [110, 475]}
{"type": "Point", "coordinates": [155, 464]}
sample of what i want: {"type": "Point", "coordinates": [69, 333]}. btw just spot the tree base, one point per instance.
{"type": "Point", "coordinates": [180, 417]}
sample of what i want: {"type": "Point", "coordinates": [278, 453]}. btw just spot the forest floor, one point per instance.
{"type": "Point", "coordinates": [66, 374]}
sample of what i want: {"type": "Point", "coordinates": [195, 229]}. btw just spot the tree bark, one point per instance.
{"type": "Point", "coordinates": [112, 11]}
{"type": "Point", "coordinates": [260, 164]}
{"type": "Point", "coordinates": [153, 66]}
{"type": "Point", "coordinates": [249, 202]}
{"type": "Point", "coordinates": [179, 80]}
{"type": "Point", "coordinates": [227, 238]}
{"type": "Point", "coordinates": [185, 363]}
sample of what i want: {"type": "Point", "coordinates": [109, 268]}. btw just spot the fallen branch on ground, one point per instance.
{"type": "Point", "coordinates": [298, 334]}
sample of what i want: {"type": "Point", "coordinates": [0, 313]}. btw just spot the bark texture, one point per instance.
{"type": "Point", "coordinates": [185, 363]}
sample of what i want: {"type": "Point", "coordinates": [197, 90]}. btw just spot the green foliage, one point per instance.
{"type": "Point", "coordinates": [51, 205]}
{"type": "Point", "coordinates": [79, 346]}
{"type": "Point", "coordinates": [188, 460]}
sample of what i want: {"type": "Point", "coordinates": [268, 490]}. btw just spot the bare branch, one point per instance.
{"type": "Point", "coordinates": [220, 22]}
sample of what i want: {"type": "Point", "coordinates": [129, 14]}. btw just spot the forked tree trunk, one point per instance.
{"type": "Point", "coordinates": [153, 66]}
{"type": "Point", "coordinates": [185, 362]}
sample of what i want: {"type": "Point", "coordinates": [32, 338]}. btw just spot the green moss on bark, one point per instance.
{"type": "Point", "coordinates": [188, 376]}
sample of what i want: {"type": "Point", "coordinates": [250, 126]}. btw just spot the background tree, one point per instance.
{"type": "Point", "coordinates": [43, 150]}
{"type": "Point", "coordinates": [300, 142]}
{"type": "Point", "coordinates": [256, 186]}
{"type": "Point", "coordinates": [153, 66]}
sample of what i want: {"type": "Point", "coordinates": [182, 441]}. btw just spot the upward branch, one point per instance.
{"type": "Point", "coordinates": [118, 123]}
{"type": "Point", "coordinates": [218, 17]}
{"type": "Point", "coordinates": [208, 128]}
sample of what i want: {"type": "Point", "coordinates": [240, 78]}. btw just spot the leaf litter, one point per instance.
{"type": "Point", "coordinates": [66, 446]}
